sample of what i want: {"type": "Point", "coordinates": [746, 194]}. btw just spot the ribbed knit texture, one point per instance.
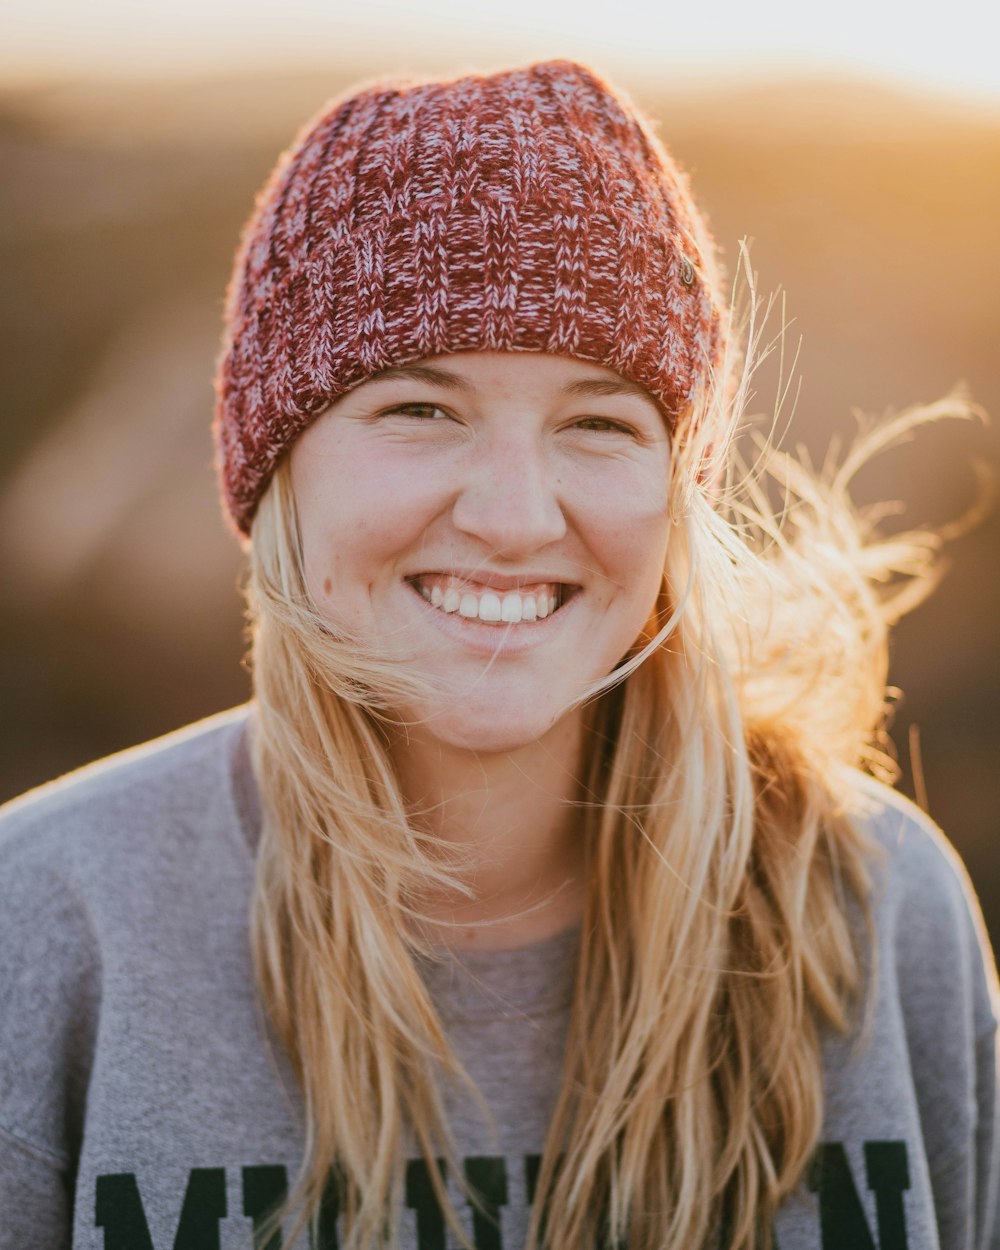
{"type": "Point", "coordinates": [527, 210]}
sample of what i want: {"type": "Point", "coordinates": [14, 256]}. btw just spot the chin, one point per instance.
{"type": "Point", "coordinates": [488, 733]}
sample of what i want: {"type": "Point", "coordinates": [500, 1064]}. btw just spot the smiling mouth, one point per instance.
{"type": "Point", "coordinates": [491, 605]}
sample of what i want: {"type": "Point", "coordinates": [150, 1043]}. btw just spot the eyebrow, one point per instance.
{"type": "Point", "coordinates": [607, 386]}
{"type": "Point", "coordinates": [423, 373]}
{"type": "Point", "coordinates": [595, 387]}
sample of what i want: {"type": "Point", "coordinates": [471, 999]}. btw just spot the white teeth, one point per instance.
{"type": "Point", "coordinates": [511, 609]}
{"type": "Point", "coordinates": [493, 606]}
{"type": "Point", "coordinates": [489, 607]}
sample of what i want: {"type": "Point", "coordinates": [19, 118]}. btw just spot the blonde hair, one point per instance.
{"type": "Point", "coordinates": [726, 879]}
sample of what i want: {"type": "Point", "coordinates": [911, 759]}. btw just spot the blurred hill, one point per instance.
{"type": "Point", "coordinates": [119, 616]}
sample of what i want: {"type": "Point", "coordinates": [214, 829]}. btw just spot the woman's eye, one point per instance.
{"type": "Point", "coordinates": [422, 412]}
{"type": "Point", "coordinates": [603, 425]}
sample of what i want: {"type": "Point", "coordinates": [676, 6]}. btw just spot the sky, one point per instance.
{"type": "Point", "coordinates": [948, 47]}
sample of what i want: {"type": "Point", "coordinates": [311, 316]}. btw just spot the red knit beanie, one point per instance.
{"type": "Point", "coordinates": [527, 210]}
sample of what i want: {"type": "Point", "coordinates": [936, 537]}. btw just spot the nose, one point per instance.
{"type": "Point", "coordinates": [510, 498]}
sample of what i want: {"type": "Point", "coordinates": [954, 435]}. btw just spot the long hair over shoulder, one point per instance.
{"type": "Point", "coordinates": [724, 926]}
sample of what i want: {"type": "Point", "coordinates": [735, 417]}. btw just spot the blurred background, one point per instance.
{"type": "Point", "coordinates": [857, 148]}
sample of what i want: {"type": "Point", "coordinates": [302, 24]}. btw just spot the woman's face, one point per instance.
{"type": "Point", "coordinates": [494, 521]}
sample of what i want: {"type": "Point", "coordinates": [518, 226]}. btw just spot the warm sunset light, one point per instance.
{"type": "Point", "coordinates": [499, 535]}
{"type": "Point", "coordinates": [955, 51]}
{"type": "Point", "coordinates": [856, 146]}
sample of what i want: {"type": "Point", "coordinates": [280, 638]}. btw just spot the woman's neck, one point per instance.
{"type": "Point", "coordinates": [513, 816]}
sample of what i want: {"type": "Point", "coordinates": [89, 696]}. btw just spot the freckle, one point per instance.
{"type": "Point", "coordinates": [327, 585]}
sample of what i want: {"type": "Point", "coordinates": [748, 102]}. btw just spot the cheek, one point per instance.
{"type": "Point", "coordinates": [356, 528]}
{"type": "Point", "coordinates": [644, 573]}
{"type": "Point", "coordinates": [346, 552]}
{"type": "Point", "coordinates": [628, 524]}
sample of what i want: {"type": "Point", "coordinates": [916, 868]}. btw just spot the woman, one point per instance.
{"type": "Point", "coordinates": [571, 919]}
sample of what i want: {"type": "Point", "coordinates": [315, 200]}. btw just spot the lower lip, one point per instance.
{"type": "Point", "coordinates": [489, 637]}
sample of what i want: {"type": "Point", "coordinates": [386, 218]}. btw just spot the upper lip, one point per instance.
{"type": "Point", "coordinates": [496, 581]}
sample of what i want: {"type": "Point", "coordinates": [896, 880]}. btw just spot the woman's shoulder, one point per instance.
{"type": "Point", "coordinates": [926, 914]}
{"type": "Point", "coordinates": [126, 798]}
{"type": "Point", "coordinates": [110, 878]}
{"type": "Point", "coordinates": [913, 856]}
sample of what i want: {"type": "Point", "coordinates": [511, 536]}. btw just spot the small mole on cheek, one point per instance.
{"type": "Point", "coordinates": [327, 585]}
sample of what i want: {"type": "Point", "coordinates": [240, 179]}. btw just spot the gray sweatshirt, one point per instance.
{"type": "Point", "coordinates": [144, 1106]}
